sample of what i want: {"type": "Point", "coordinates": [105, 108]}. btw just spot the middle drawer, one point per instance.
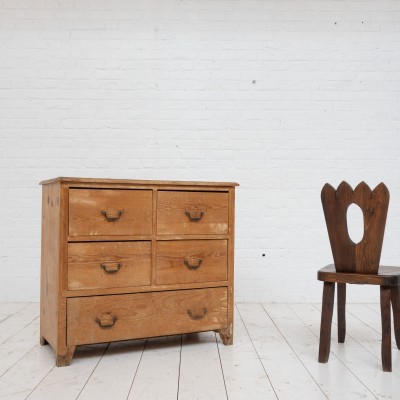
{"type": "Point", "coordinates": [101, 265]}
{"type": "Point", "coordinates": [191, 261]}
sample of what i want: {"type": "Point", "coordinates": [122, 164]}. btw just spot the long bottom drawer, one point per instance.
{"type": "Point", "coordinates": [99, 319]}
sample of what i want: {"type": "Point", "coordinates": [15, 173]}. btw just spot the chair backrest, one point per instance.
{"type": "Point", "coordinates": [362, 257]}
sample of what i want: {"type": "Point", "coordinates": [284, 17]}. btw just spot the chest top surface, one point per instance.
{"type": "Point", "coordinates": [140, 182]}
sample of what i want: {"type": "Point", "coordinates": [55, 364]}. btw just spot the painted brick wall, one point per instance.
{"type": "Point", "coordinates": [278, 95]}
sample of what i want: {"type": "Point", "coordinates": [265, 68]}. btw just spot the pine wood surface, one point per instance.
{"type": "Point", "coordinates": [109, 265]}
{"type": "Point", "coordinates": [98, 319]}
{"type": "Point", "coordinates": [110, 212]}
{"type": "Point", "coordinates": [191, 261]}
{"type": "Point", "coordinates": [110, 245]}
{"type": "Point", "coordinates": [141, 289]}
{"type": "Point", "coordinates": [51, 276]}
{"type": "Point", "coordinates": [135, 182]}
{"type": "Point", "coordinates": [195, 213]}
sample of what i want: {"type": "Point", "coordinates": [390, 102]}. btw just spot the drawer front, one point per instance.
{"type": "Point", "coordinates": [108, 264]}
{"type": "Point", "coordinates": [188, 261]}
{"type": "Point", "coordinates": [99, 319]}
{"type": "Point", "coordinates": [110, 212]}
{"type": "Point", "coordinates": [192, 213]}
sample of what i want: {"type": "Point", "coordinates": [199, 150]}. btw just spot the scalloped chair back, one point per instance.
{"type": "Point", "coordinates": [362, 257]}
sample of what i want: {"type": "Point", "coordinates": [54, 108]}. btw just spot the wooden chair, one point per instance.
{"type": "Point", "coordinates": [357, 263]}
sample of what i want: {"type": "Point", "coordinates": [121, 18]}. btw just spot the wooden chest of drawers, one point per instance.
{"type": "Point", "coordinates": [124, 259]}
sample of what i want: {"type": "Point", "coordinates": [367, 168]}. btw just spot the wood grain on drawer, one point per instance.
{"type": "Point", "coordinates": [110, 212]}
{"type": "Point", "coordinates": [192, 213]}
{"type": "Point", "coordinates": [108, 265]}
{"type": "Point", "coordinates": [99, 319]}
{"type": "Point", "coordinates": [189, 261]}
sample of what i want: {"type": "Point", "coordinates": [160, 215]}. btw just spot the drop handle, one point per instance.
{"type": "Point", "coordinates": [197, 316]}
{"type": "Point", "coordinates": [192, 263]}
{"type": "Point", "coordinates": [112, 218]}
{"type": "Point", "coordinates": [111, 269]}
{"type": "Point", "coordinates": [106, 320]}
{"type": "Point", "coordinates": [194, 215]}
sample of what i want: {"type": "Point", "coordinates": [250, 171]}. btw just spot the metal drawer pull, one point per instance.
{"type": "Point", "coordinates": [112, 218]}
{"type": "Point", "coordinates": [106, 320]}
{"type": "Point", "coordinates": [111, 269]}
{"type": "Point", "coordinates": [197, 316]}
{"type": "Point", "coordinates": [194, 215]}
{"type": "Point", "coordinates": [193, 263]}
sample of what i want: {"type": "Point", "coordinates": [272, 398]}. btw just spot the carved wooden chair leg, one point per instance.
{"type": "Point", "coordinates": [341, 311]}
{"type": "Point", "coordinates": [326, 322]}
{"type": "Point", "coordinates": [386, 329]}
{"type": "Point", "coordinates": [395, 297]}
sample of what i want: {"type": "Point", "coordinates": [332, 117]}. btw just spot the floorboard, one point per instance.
{"type": "Point", "coordinates": [72, 379]}
{"type": "Point", "coordinates": [13, 349]}
{"type": "Point", "coordinates": [369, 317]}
{"type": "Point", "coordinates": [244, 373]}
{"type": "Point", "coordinates": [369, 336]}
{"type": "Point", "coordinates": [201, 376]}
{"type": "Point", "coordinates": [20, 380]}
{"type": "Point", "coordinates": [288, 376]}
{"type": "Point", "coordinates": [161, 359]}
{"type": "Point", "coordinates": [9, 309]}
{"type": "Point", "coordinates": [365, 366]}
{"type": "Point", "coordinates": [330, 377]}
{"type": "Point", "coordinates": [17, 321]}
{"type": "Point", "coordinates": [113, 376]}
{"type": "Point", "coordinates": [274, 356]}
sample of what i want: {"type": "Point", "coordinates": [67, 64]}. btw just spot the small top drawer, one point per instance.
{"type": "Point", "coordinates": [110, 212]}
{"type": "Point", "coordinates": [192, 213]}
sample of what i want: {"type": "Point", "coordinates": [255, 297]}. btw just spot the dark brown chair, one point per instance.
{"type": "Point", "coordinates": [357, 263]}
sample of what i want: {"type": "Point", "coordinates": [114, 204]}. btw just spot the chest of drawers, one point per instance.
{"type": "Point", "coordinates": [128, 259]}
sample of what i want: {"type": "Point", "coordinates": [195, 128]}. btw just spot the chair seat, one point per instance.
{"type": "Point", "coordinates": [387, 276]}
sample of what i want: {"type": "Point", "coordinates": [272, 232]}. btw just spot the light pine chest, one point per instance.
{"type": "Point", "coordinates": [128, 259]}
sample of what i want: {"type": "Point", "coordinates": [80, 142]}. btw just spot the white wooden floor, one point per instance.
{"type": "Point", "coordinates": [274, 356]}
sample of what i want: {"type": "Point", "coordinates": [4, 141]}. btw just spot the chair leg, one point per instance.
{"type": "Point", "coordinates": [341, 311]}
{"type": "Point", "coordinates": [386, 329]}
{"type": "Point", "coordinates": [326, 322]}
{"type": "Point", "coordinates": [395, 297]}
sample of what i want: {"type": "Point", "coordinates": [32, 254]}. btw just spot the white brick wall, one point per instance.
{"type": "Point", "coordinates": [279, 95]}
